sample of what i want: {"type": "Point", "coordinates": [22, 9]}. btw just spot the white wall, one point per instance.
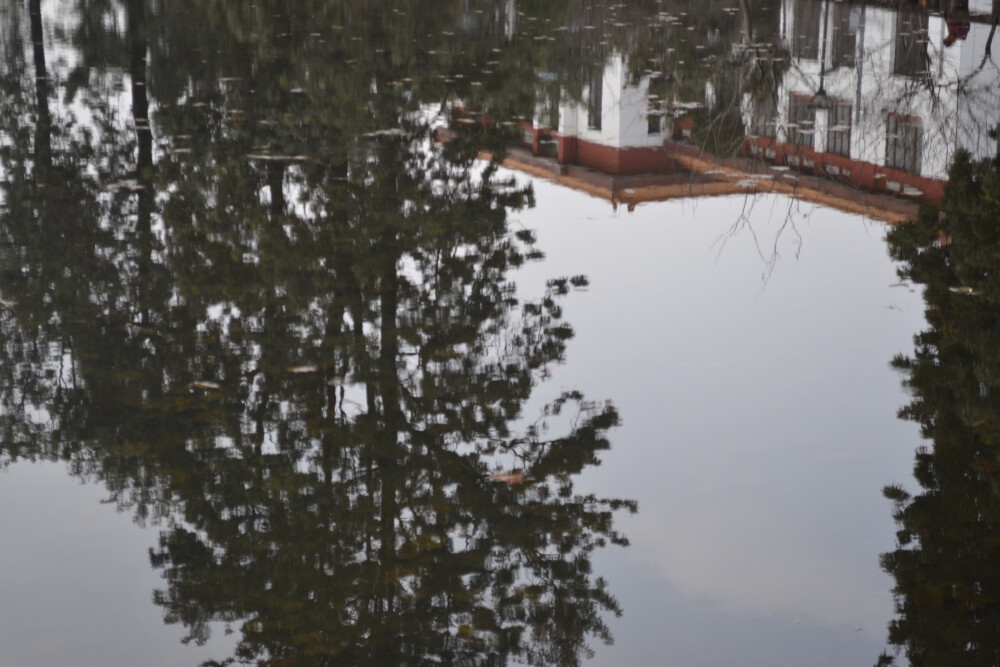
{"type": "Point", "coordinates": [957, 101]}
{"type": "Point", "coordinates": [624, 108]}
{"type": "Point", "coordinates": [979, 103]}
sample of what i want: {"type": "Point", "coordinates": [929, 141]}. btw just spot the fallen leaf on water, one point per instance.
{"type": "Point", "coordinates": [203, 384]}
{"type": "Point", "coordinates": [509, 477]}
{"type": "Point", "coordinates": [129, 184]}
{"type": "Point", "coordinates": [391, 132]}
{"type": "Point", "coordinates": [277, 158]}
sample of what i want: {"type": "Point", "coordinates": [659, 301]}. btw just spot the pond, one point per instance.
{"type": "Point", "coordinates": [499, 332]}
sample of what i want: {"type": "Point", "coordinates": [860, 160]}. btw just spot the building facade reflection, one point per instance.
{"type": "Point", "coordinates": [903, 94]}
{"type": "Point", "coordinates": [848, 104]}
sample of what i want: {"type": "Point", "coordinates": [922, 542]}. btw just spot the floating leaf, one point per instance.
{"type": "Point", "coordinates": [206, 385]}
{"type": "Point", "coordinates": [391, 132]}
{"type": "Point", "coordinates": [510, 477]}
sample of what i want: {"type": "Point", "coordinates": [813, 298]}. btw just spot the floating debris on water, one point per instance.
{"type": "Point", "coordinates": [266, 157]}
{"type": "Point", "coordinates": [509, 477]}
{"type": "Point", "coordinates": [129, 184]}
{"type": "Point", "coordinates": [206, 385]}
{"type": "Point", "coordinates": [391, 132]}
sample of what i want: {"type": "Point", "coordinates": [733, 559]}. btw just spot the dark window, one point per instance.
{"type": "Point", "coordinates": [808, 18]}
{"type": "Point", "coordinates": [810, 31]}
{"type": "Point", "coordinates": [764, 122]}
{"type": "Point", "coordinates": [904, 142]}
{"type": "Point", "coordinates": [552, 107]}
{"type": "Point", "coordinates": [594, 101]}
{"type": "Point", "coordinates": [655, 123]}
{"type": "Point", "coordinates": [910, 54]}
{"type": "Point", "coordinates": [801, 121]}
{"type": "Point", "coordinates": [838, 133]}
{"type": "Point", "coordinates": [842, 41]}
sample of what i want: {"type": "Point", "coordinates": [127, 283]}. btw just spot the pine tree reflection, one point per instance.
{"type": "Point", "coordinates": [947, 582]}
{"type": "Point", "coordinates": [306, 365]}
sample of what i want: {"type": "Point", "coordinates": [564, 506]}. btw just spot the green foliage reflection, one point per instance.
{"type": "Point", "coordinates": [945, 564]}
{"type": "Point", "coordinates": [269, 310]}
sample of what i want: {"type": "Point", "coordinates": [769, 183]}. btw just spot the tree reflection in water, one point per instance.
{"type": "Point", "coordinates": [290, 334]}
{"type": "Point", "coordinates": [945, 564]}
{"type": "Point", "coordinates": [246, 287]}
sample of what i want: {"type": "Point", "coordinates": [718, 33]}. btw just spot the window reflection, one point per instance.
{"type": "Point", "coordinates": [910, 56]}
{"type": "Point", "coordinates": [838, 134]}
{"type": "Point", "coordinates": [595, 100]}
{"type": "Point", "coordinates": [764, 122]}
{"type": "Point", "coordinates": [904, 142]}
{"type": "Point", "coordinates": [802, 120]}
{"type": "Point", "coordinates": [808, 16]}
{"type": "Point", "coordinates": [842, 38]}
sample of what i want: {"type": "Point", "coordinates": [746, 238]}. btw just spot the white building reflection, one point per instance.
{"type": "Point", "coordinates": [874, 101]}
{"type": "Point", "coordinates": [880, 97]}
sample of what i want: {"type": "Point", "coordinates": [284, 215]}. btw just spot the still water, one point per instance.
{"type": "Point", "coordinates": [498, 332]}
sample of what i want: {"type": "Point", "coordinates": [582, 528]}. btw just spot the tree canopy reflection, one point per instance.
{"type": "Point", "coordinates": [287, 330]}
{"type": "Point", "coordinates": [945, 564]}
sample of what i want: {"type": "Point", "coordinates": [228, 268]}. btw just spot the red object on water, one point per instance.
{"type": "Point", "coordinates": [509, 477]}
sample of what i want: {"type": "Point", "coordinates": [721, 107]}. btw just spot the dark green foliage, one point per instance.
{"type": "Point", "coordinates": [947, 563]}
{"type": "Point", "coordinates": [290, 334]}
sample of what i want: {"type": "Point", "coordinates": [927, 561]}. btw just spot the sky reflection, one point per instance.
{"type": "Point", "coordinates": [758, 415]}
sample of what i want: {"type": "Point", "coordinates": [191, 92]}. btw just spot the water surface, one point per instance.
{"type": "Point", "coordinates": [495, 332]}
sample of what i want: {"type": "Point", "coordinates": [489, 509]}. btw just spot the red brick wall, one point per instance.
{"type": "Point", "coordinates": [573, 150]}
{"type": "Point", "coordinates": [860, 174]}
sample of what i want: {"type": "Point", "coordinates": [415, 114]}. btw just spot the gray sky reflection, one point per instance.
{"type": "Point", "coordinates": [759, 427]}
{"type": "Point", "coordinates": [80, 574]}
{"type": "Point", "coordinates": [759, 422]}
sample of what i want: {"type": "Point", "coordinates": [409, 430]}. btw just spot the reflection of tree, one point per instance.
{"type": "Point", "coordinates": [307, 365]}
{"type": "Point", "coordinates": [945, 565]}
{"type": "Point", "coordinates": [399, 548]}
{"type": "Point", "coordinates": [682, 48]}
